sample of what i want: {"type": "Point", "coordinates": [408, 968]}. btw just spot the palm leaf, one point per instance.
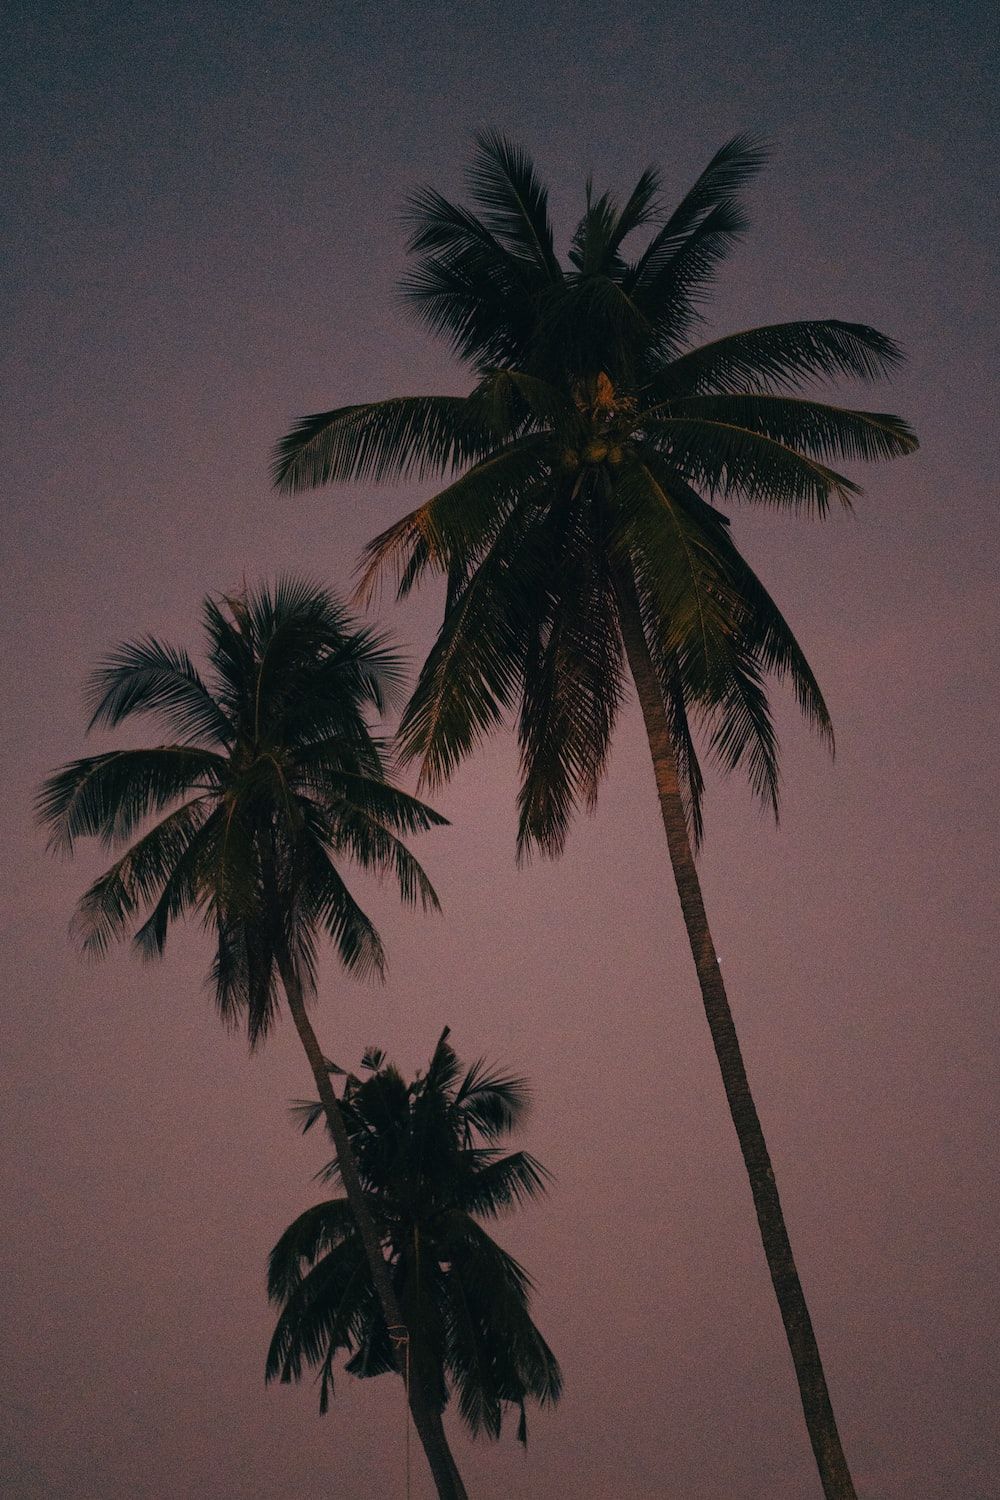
{"type": "Point", "coordinates": [503, 183]}
{"type": "Point", "coordinates": [107, 796]}
{"type": "Point", "coordinates": [808, 426]}
{"type": "Point", "coordinates": [779, 355]}
{"type": "Point", "coordinates": [148, 677]}
{"type": "Point", "coordinates": [407, 437]}
{"type": "Point", "coordinates": [139, 877]}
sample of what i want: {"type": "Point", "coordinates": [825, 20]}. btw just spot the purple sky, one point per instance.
{"type": "Point", "coordinates": [204, 242]}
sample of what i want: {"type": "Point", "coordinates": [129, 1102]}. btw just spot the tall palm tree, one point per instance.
{"type": "Point", "coordinates": [272, 779]}
{"type": "Point", "coordinates": [582, 541]}
{"type": "Point", "coordinates": [431, 1163]}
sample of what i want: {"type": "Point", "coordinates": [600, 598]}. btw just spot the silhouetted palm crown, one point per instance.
{"type": "Point", "coordinates": [429, 1157]}
{"type": "Point", "coordinates": [275, 777]}
{"type": "Point", "coordinates": [589, 457]}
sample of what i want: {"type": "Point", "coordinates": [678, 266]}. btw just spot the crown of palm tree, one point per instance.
{"type": "Point", "coordinates": [589, 458]}
{"type": "Point", "coordinates": [274, 779]}
{"type": "Point", "coordinates": [431, 1164]}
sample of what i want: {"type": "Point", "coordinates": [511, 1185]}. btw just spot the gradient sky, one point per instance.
{"type": "Point", "coordinates": [203, 244]}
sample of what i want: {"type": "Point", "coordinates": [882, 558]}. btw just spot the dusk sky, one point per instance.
{"type": "Point", "coordinates": [203, 243]}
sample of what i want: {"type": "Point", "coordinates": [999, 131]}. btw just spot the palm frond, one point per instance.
{"type": "Point", "coordinates": [324, 1313]}
{"type": "Point", "coordinates": [735, 461]}
{"type": "Point", "coordinates": [328, 903]}
{"type": "Point", "coordinates": [573, 685]}
{"type": "Point", "coordinates": [106, 796]}
{"type": "Point", "coordinates": [503, 183]}
{"type": "Point", "coordinates": [361, 835]}
{"type": "Point", "coordinates": [780, 355]}
{"type": "Point", "coordinates": [809, 427]}
{"type": "Point", "coordinates": [473, 671]}
{"type": "Point", "coordinates": [405, 437]}
{"type": "Point", "coordinates": [459, 521]}
{"type": "Point", "coordinates": [138, 878]}
{"type": "Point", "coordinates": [310, 1236]}
{"type": "Point", "coordinates": [491, 1102]}
{"type": "Point", "coordinates": [149, 677]}
{"type": "Point", "coordinates": [503, 1185]}
{"type": "Point", "coordinates": [730, 170]}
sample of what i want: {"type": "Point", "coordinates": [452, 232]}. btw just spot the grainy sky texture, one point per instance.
{"type": "Point", "coordinates": [203, 243]}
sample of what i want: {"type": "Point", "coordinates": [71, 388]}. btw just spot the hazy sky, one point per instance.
{"type": "Point", "coordinates": [203, 244]}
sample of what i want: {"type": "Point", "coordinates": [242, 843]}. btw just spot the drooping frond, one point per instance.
{"type": "Point", "coordinates": [138, 879]}
{"type": "Point", "coordinates": [187, 885]}
{"type": "Point", "coordinates": [474, 668]}
{"type": "Point", "coordinates": [329, 905]}
{"type": "Point", "coordinates": [725, 458]}
{"type": "Point", "coordinates": [573, 683]}
{"type": "Point", "coordinates": [358, 832]}
{"type": "Point", "coordinates": [314, 1233]}
{"type": "Point", "coordinates": [457, 522]}
{"type": "Point", "coordinates": [326, 1311]}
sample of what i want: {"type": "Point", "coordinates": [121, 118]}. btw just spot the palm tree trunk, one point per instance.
{"type": "Point", "coordinates": [426, 1420]}
{"type": "Point", "coordinates": [820, 1421]}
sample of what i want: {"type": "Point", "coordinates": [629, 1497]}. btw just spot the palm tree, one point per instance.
{"type": "Point", "coordinates": [272, 778]}
{"type": "Point", "coordinates": [580, 534]}
{"type": "Point", "coordinates": [430, 1160]}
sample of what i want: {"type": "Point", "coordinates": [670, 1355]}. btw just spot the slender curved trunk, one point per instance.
{"type": "Point", "coordinates": [820, 1421]}
{"type": "Point", "coordinates": [427, 1421]}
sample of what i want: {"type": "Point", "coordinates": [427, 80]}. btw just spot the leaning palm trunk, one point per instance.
{"type": "Point", "coordinates": [820, 1420]}
{"type": "Point", "coordinates": [430, 1428]}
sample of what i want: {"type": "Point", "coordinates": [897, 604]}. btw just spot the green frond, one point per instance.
{"type": "Point", "coordinates": [738, 718]}
{"type": "Point", "coordinates": [734, 461]}
{"type": "Point", "coordinates": [244, 977]}
{"type": "Point", "coordinates": [714, 193]}
{"type": "Point", "coordinates": [670, 299]}
{"type": "Point", "coordinates": [406, 437]}
{"type": "Point", "coordinates": [492, 1103]}
{"type": "Point", "coordinates": [459, 521]}
{"type": "Point", "coordinates": [326, 1312]}
{"type": "Point", "coordinates": [359, 834]}
{"type": "Point", "coordinates": [329, 906]}
{"type": "Point", "coordinates": [313, 1234]}
{"type": "Point", "coordinates": [501, 1186]}
{"type": "Point", "coordinates": [641, 207]}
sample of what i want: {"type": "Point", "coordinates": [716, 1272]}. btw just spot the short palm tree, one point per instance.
{"type": "Point", "coordinates": [582, 541]}
{"type": "Point", "coordinates": [431, 1163]}
{"type": "Point", "coordinates": [273, 778]}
